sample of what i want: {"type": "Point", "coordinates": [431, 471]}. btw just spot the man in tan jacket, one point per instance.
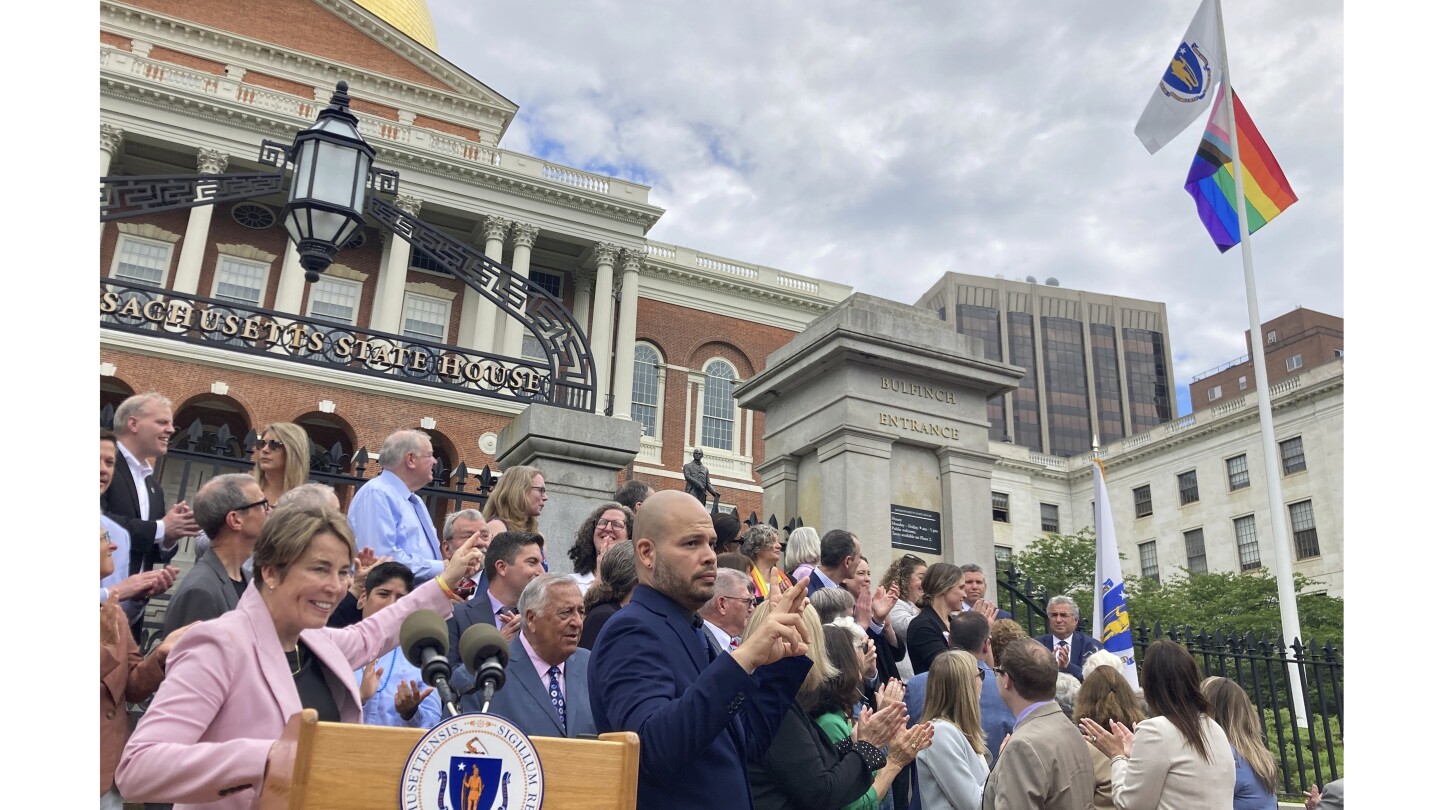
{"type": "Point", "coordinates": [1044, 763]}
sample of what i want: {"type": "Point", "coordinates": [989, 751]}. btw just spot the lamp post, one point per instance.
{"type": "Point", "coordinates": [332, 169]}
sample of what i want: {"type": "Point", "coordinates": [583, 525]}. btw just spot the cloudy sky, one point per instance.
{"type": "Point", "coordinates": [882, 144]}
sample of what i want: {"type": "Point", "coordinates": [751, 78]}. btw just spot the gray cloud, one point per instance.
{"type": "Point", "coordinates": [879, 145]}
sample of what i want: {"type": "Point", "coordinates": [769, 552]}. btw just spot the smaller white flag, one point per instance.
{"type": "Point", "coordinates": [1111, 624]}
{"type": "Point", "coordinates": [1190, 81]}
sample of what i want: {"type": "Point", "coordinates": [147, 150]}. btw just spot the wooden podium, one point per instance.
{"type": "Point", "coordinates": [346, 766]}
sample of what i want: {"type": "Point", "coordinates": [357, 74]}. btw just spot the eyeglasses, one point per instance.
{"type": "Point", "coordinates": [998, 671]}
{"type": "Point", "coordinates": [274, 445]}
{"type": "Point", "coordinates": [263, 502]}
{"type": "Point", "coordinates": [603, 523]}
{"type": "Point", "coordinates": [540, 490]}
{"type": "Point", "coordinates": [980, 673]}
{"type": "Point", "coordinates": [911, 558]}
{"type": "Point", "coordinates": [752, 603]}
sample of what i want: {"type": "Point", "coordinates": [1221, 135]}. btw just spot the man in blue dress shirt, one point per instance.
{"type": "Point", "coordinates": [701, 715]}
{"type": "Point", "coordinates": [387, 515]}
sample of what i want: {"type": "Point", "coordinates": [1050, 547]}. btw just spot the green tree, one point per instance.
{"type": "Point", "coordinates": [1231, 602]}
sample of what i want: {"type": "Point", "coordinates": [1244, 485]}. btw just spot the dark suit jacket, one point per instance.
{"type": "Point", "coordinates": [476, 610]}
{"type": "Point", "coordinates": [121, 503]}
{"type": "Point", "coordinates": [926, 639]}
{"type": "Point", "coordinates": [803, 769]}
{"type": "Point", "coordinates": [206, 592]}
{"type": "Point", "coordinates": [699, 721]}
{"type": "Point", "coordinates": [525, 699]}
{"type": "Point", "coordinates": [595, 619]}
{"type": "Point", "coordinates": [1081, 648]}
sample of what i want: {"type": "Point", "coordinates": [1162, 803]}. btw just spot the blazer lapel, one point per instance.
{"type": "Point", "coordinates": [328, 654]}
{"type": "Point", "coordinates": [268, 652]}
{"type": "Point", "coordinates": [530, 680]}
{"type": "Point", "coordinates": [227, 586]}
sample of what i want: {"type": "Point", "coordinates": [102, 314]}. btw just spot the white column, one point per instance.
{"type": "Point", "coordinates": [581, 310]}
{"type": "Point", "coordinates": [600, 346]}
{"type": "Point", "coordinates": [292, 281]}
{"type": "Point", "coordinates": [625, 332]}
{"type": "Point", "coordinates": [389, 303]}
{"type": "Point", "coordinates": [511, 329]}
{"type": "Point", "coordinates": [476, 308]}
{"type": "Point", "coordinates": [197, 229]}
{"type": "Point", "coordinates": [110, 139]}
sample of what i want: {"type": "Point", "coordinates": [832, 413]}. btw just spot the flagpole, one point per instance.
{"type": "Point", "coordinates": [1284, 571]}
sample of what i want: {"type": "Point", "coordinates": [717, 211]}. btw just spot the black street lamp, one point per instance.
{"type": "Point", "coordinates": [332, 169]}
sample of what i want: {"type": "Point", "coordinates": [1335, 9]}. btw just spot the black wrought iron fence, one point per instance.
{"type": "Point", "coordinates": [1305, 755]}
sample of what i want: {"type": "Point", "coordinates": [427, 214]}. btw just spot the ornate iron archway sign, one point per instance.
{"type": "Point", "coordinates": [565, 378]}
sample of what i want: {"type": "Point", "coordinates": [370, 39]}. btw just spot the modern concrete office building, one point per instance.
{"type": "Point", "coordinates": [1098, 365]}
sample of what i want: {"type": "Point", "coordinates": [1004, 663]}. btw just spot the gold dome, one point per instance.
{"type": "Point", "coordinates": [412, 17]}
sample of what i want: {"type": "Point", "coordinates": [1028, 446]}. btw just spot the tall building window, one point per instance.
{"type": "Point", "coordinates": [425, 317]}
{"type": "Point", "coordinates": [717, 426]}
{"type": "Point", "coordinates": [1294, 361]}
{"type": "Point", "coordinates": [1106, 362]}
{"type": "Point", "coordinates": [1270, 337]}
{"type": "Point", "coordinates": [1189, 487]}
{"type": "Point", "coordinates": [1244, 382]}
{"type": "Point", "coordinates": [1000, 507]}
{"type": "Point", "coordinates": [1213, 394]}
{"type": "Point", "coordinates": [1238, 471]}
{"type": "Point", "coordinates": [1067, 391]}
{"type": "Point", "coordinates": [1195, 551]}
{"type": "Point", "coordinates": [1247, 542]}
{"type": "Point", "coordinates": [1149, 563]}
{"type": "Point", "coordinates": [1026, 396]}
{"type": "Point", "coordinates": [1002, 559]}
{"type": "Point", "coordinates": [1302, 524]}
{"type": "Point", "coordinates": [240, 280]}
{"type": "Point", "coordinates": [1050, 518]}
{"type": "Point", "coordinates": [552, 283]}
{"type": "Point", "coordinates": [645, 393]}
{"type": "Point", "coordinates": [1150, 397]}
{"type": "Point", "coordinates": [144, 260]}
{"type": "Point", "coordinates": [334, 299]}
{"type": "Point", "coordinates": [1292, 456]}
{"type": "Point", "coordinates": [984, 323]}
{"type": "Point", "coordinates": [1142, 501]}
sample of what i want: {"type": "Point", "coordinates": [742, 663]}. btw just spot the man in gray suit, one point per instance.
{"type": "Point", "coordinates": [231, 510]}
{"type": "Point", "coordinates": [547, 692]}
{"type": "Point", "coordinates": [1045, 763]}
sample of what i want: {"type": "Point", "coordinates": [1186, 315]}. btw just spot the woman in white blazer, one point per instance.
{"type": "Point", "coordinates": [1177, 760]}
{"type": "Point", "coordinates": [953, 769]}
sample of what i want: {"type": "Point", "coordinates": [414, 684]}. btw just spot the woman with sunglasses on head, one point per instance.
{"type": "Point", "coordinates": [953, 770]}
{"type": "Point", "coordinates": [1178, 759]}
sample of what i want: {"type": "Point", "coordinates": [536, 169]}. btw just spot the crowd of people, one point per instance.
{"type": "Point", "coordinates": [755, 675]}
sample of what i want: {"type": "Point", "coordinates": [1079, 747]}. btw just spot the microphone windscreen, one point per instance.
{"type": "Point", "coordinates": [423, 629]}
{"type": "Point", "coordinates": [481, 641]}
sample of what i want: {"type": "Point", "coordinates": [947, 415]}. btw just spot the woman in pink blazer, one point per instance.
{"type": "Point", "coordinates": [233, 682]}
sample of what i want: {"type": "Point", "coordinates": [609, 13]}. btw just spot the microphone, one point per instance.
{"type": "Point", "coordinates": [426, 644]}
{"type": "Point", "coordinates": [484, 651]}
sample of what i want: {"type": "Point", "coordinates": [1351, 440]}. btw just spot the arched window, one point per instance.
{"type": "Point", "coordinates": [717, 426]}
{"type": "Point", "coordinates": [645, 393]}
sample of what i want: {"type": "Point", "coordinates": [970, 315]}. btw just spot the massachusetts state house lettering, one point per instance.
{"type": "Point", "coordinates": [928, 428]}
{"type": "Point", "coordinates": [311, 340]}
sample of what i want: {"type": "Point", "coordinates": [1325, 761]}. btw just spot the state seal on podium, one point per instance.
{"type": "Point", "coordinates": [472, 762]}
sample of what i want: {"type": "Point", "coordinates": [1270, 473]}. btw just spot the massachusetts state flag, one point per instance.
{"type": "Point", "coordinates": [1212, 177]}
{"type": "Point", "coordinates": [1112, 616]}
{"type": "Point", "coordinates": [1191, 78]}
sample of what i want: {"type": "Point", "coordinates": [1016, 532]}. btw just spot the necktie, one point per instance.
{"type": "Point", "coordinates": [503, 615]}
{"type": "Point", "coordinates": [1059, 647]}
{"type": "Point", "coordinates": [734, 642]}
{"type": "Point", "coordinates": [555, 697]}
{"type": "Point", "coordinates": [427, 526]}
{"type": "Point", "coordinates": [700, 635]}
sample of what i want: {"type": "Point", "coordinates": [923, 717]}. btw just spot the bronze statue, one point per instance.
{"type": "Point", "coordinates": [697, 480]}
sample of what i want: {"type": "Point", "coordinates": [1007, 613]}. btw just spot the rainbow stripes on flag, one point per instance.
{"type": "Point", "coordinates": [1212, 177]}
